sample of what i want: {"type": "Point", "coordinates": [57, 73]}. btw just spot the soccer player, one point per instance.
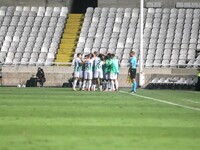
{"type": "Point", "coordinates": [88, 73]}
{"type": "Point", "coordinates": [132, 70]}
{"type": "Point", "coordinates": [98, 72]}
{"type": "Point", "coordinates": [114, 71]}
{"type": "Point", "coordinates": [107, 70]}
{"type": "Point", "coordinates": [78, 74]}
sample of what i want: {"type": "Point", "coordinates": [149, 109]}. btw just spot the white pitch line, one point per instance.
{"type": "Point", "coordinates": [191, 101]}
{"type": "Point", "coordinates": [162, 101]}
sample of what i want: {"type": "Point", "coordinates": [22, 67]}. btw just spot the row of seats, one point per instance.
{"type": "Point", "coordinates": [172, 82]}
{"type": "Point", "coordinates": [178, 5]}
{"type": "Point", "coordinates": [171, 36]}
{"type": "Point", "coordinates": [30, 35]}
{"type": "Point", "coordinates": [187, 5]}
{"type": "Point", "coordinates": [33, 11]}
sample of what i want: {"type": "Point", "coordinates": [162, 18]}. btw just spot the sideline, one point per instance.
{"type": "Point", "coordinates": [162, 101]}
{"type": "Point", "coordinates": [187, 100]}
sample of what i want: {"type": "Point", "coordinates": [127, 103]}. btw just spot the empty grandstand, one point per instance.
{"type": "Point", "coordinates": [30, 35]}
{"type": "Point", "coordinates": [170, 35]}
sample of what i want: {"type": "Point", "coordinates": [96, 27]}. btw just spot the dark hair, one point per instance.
{"type": "Point", "coordinates": [87, 56]}
{"type": "Point", "coordinates": [112, 55]}
{"type": "Point", "coordinates": [78, 54]}
{"type": "Point", "coordinates": [102, 57]}
{"type": "Point", "coordinates": [95, 53]}
{"type": "Point", "coordinates": [108, 56]}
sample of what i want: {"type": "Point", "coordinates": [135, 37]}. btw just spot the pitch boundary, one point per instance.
{"type": "Point", "coordinates": [162, 101]}
{"type": "Point", "coordinates": [191, 101]}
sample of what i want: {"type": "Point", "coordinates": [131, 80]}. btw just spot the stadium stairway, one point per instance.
{"type": "Point", "coordinates": [69, 39]}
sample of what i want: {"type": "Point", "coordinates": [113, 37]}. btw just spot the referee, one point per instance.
{"type": "Point", "coordinates": [132, 70]}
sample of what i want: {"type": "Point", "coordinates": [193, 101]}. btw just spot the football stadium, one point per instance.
{"type": "Point", "coordinates": [100, 74]}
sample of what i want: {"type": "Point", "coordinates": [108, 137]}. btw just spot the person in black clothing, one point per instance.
{"type": "Point", "coordinates": [197, 88]}
{"type": "Point", "coordinates": [40, 77]}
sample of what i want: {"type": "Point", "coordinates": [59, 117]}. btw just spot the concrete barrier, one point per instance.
{"type": "Point", "coordinates": [57, 75]}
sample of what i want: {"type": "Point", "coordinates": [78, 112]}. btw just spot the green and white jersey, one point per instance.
{"type": "Point", "coordinates": [77, 65]}
{"type": "Point", "coordinates": [114, 66]}
{"type": "Point", "coordinates": [107, 66]}
{"type": "Point", "coordinates": [89, 65]}
{"type": "Point", "coordinates": [97, 64]}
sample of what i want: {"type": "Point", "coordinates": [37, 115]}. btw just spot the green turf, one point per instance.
{"type": "Point", "coordinates": [60, 119]}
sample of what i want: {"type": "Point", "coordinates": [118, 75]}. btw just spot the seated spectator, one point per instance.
{"type": "Point", "coordinates": [40, 77]}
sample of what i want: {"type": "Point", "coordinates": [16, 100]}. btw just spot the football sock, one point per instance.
{"type": "Point", "coordinates": [107, 85]}
{"type": "Point", "coordinates": [112, 85]}
{"type": "Point", "coordinates": [134, 86]}
{"type": "Point", "coordinates": [74, 84]}
{"type": "Point", "coordinates": [116, 84]}
{"type": "Point", "coordinates": [89, 84]}
{"type": "Point", "coordinates": [94, 87]}
{"type": "Point", "coordinates": [80, 84]}
{"type": "Point", "coordinates": [84, 84]}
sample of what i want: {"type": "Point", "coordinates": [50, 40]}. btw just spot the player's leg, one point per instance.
{"type": "Point", "coordinates": [80, 79]}
{"type": "Point", "coordinates": [106, 82]}
{"type": "Point", "coordinates": [89, 80]}
{"type": "Point", "coordinates": [134, 84]}
{"type": "Point", "coordinates": [116, 83]}
{"type": "Point", "coordinates": [76, 76]}
{"type": "Point", "coordinates": [100, 80]}
{"type": "Point", "coordinates": [112, 84]}
{"type": "Point", "coordinates": [109, 82]}
{"type": "Point", "coordinates": [94, 81]}
{"type": "Point", "coordinates": [84, 81]}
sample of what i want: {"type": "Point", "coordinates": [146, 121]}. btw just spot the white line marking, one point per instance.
{"type": "Point", "coordinates": [191, 101]}
{"type": "Point", "coordinates": [162, 101]}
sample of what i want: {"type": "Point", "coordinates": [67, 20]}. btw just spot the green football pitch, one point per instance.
{"type": "Point", "coordinates": [60, 119]}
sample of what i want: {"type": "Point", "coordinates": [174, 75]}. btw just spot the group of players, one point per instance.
{"type": "Point", "coordinates": [96, 71]}
{"type": "Point", "coordinates": [101, 71]}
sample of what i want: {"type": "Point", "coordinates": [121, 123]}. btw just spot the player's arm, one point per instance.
{"type": "Point", "coordinates": [81, 62]}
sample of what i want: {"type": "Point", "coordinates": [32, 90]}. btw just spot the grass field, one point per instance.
{"type": "Point", "coordinates": [59, 119]}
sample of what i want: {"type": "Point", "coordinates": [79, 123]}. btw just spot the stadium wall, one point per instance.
{"type": "Point", "coordinates": [136, 3]}
{"type": "Point", "coordinates": [57, 75]}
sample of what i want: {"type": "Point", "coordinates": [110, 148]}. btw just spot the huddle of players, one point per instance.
{"type": "Point", "coordinates": [96, 71]}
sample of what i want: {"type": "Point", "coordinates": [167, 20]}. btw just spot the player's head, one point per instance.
{"type": "Point", "coordinates": [102, 57]}
{"type": "Point", "coordinates": [87, 56]}
{"type": "Point", "coordinates": [95, 54]}
{"type": "Point", "coordinates": [79, 55]}
{"type": "Point", "coordinates": [132, 53]}
{"type": "Point", "coordinates": [108, 56]}
{"type": "Point", "coordinates": [91, 55]}
{"type": "Point", "coordinates": [112, 55]}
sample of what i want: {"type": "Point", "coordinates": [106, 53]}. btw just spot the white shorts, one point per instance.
{"type": "Point", "coordinates": [98, 74]}
{"type": "Point", "coordinates": [113, 76]}
{"type": "Point", "coordinates": [78, 74]}
{"type": "Point", "coordinates": [88, 75]}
